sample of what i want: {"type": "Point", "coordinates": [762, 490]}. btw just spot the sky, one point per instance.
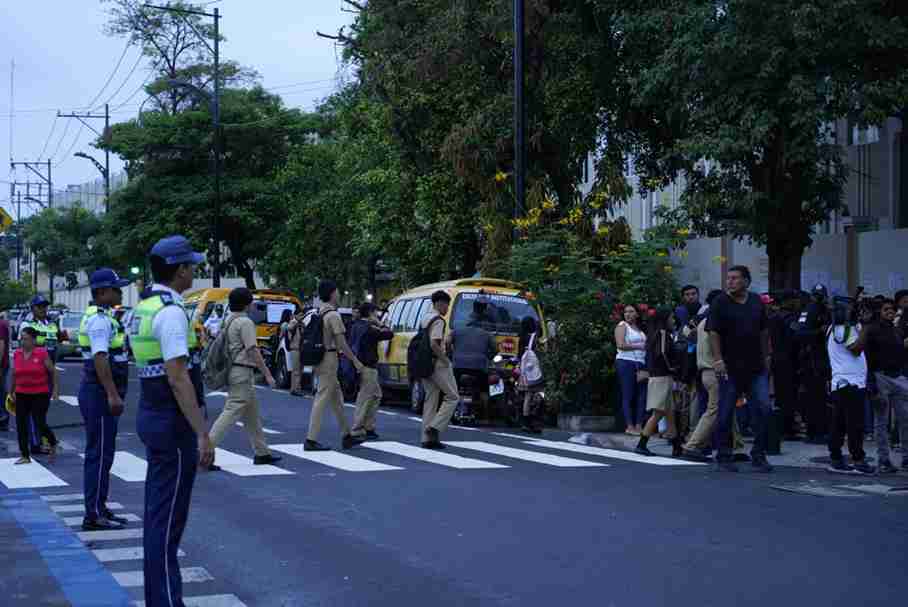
{"type": "Point", "coordinates": [63, 59]}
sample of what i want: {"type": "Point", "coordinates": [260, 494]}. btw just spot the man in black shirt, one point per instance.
{"type": "Point", "coordinates": [739, 337]}
{"type": "Point", "coordinates": [885, 346]}
{"type": "Point", "coordinates": [473, 347]}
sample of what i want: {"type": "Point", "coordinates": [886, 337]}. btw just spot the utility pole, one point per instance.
{"type": "Point", "coordinates": [18, 235]}
{"type": "Point", "coordinates": [520, 115]}
{"type": "Point", "coordinates": [105, 171]}
{"type": "Point", "coordinates": [46, 178]}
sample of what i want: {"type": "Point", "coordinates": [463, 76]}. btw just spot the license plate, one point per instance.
{"type": "Point", "coordinates": [496, 389]}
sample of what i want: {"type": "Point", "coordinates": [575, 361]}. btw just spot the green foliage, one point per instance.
{"type": "Point", "coordinates": [15, 292]}
{"type": "Point", "coordinates": [61, 239]}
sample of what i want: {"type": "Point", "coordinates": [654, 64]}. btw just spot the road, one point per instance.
{"type": "Point", "coordinates": [498, 519]}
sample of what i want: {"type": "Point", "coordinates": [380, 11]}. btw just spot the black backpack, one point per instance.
{"type": "Point", "coordinates": [312, 346]}
{"type": "Point", "coordinates": [420, 358]}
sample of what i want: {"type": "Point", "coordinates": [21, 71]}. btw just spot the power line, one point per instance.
{"type": "Point", "coordinates": [112, 74]}
{"type": "Point", "coordinates": [125, 80]}
{"type": "Point", "coordinates": [60, 142]}
{"type": "Point", "coordinates": [53, 126]}
{"type": "Point", "coordinates": [66, 155]}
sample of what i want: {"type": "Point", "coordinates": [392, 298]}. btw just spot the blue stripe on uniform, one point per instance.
{"type": "Point", "coordinates": [82, 578]}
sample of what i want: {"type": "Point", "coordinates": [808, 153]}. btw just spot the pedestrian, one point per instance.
{"type": "Point", "coordinates": [368, 332]}
{"type": "Point", "coordinates": [533, 417]}
{"type": "Point", "coordinates": [849, 390]}
{"type": "Point", "coordinates": [739, 338]}
{"type": "Point", "coordinates": [472, 347]}
{"type": "Point", "coordinates": [170, 420]}
{"type": "Point", "coordinates": [785, 360]}
{"type": "Point", "coordinates": [102, 392]}
{"type": "Point", "coordinates": [242, 403]}
{"type": "Point", "coordinates": [329, 393]}
{"type": "Point", "coordinates": [901, 314]}
{"type": "Point", "coordinates": [885, 347]}
{"type": "Point", "coordinates": [4, 369]}
{"type": "Point", "coordinates": [294, 332]}
{"type": "Point", "coordinates": [659, 363]}
{"type": "Point", "coordinates": [34, 384]}
{"type": "Point", "coordinates": [48, 339]}
{"type": "Point", "coordinates": [213, 324]}
{"type": "Point", "coordinates": [441, 384]}
{"type": "Point", "coordinates": [630, 367]}
{"type": "Point", "coordinates": [816, 373]}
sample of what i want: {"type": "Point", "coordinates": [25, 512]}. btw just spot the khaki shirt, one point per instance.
{"type": "Point", "coordinates": [438, 329]}
{"type": "Point", "coordinates": [332, 326]}
{"type": "Point", "coordinates": [241, 337]}
{"type": "Point", "coordinates": [705, 357]}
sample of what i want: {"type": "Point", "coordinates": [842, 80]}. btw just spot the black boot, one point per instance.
{"type": "Point", "coordinates": [526, 424]}
{"type": "Point", "coordinates": [641, 446]}
{"type": "Point", "coordinates": [677, 449]}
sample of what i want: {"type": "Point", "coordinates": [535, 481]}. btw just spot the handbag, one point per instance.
{"type": "Point", "coordinates": [530, 370]}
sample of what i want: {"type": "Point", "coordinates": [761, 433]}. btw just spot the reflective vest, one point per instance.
{"type": "Point", "coordinates": [116, 353]}
{"type": "Point", "coordinates": [156, 391]}
{"type": "Point", "coordinates": [47, 333]}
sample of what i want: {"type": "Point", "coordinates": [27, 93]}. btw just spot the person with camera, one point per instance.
{"type": "Point", "coordinates": [811, 332]}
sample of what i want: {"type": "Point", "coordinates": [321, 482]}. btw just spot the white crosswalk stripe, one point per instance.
{"type": "Point", "coordinates": [526, 455]}
{"type": "Point", "coordinates": [433, 457]}
{"type": "Point", "coordinates": [211, 600]}
{"type": "Point", "coordinates": [265, 430]}
{"type": "Point", "coordinates": [341, 461]}
{"type": "Point", "coordinates": [81, 507]}
{"type": "Point", "coordinates": [27, 476]}
{"type": "Point", "coordinates": [63, 497]}
{"type": "Point", "coordinates": [612, 453]}
{"type": "Point", "coordinates": [72, 401]}
{"type": "Point", "coordinates": [111, 535]}
{"type": "Point", "coordinates": [136, 579]}
{"type": "Point", "coordinates": [134, 553]}
{"type": "Point", "coordinates": [243, 466]}
{"type": "Point", "coordinates": [127, 466]}
{"type": "Point", "coordinates": [76, 521]}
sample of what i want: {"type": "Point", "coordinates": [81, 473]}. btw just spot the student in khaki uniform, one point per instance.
{"type": "Point", "coordinates": [329, 389]}
{"type": "Point", "coordinates": [295, 331]}
{"type": "Point", "coordinates": [435, 418]}
{"type": "Point", "coordinates": [368, 331]}
{"type": "Point", "coordinates": [242, 403]}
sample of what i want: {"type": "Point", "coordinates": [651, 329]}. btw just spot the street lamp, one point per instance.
{"type": "Point", "coordinates": [104, 173]}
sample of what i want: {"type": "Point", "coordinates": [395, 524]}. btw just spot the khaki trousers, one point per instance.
{"type": "Point", "coordinates": [441, 384]}
{"type": "Point", "coordinates": [702, 437]}
{"type": "Point", "coordinates": [329, 394]}
{"type": "Point", "coordinates": [367, 401]}
{"type": "Point", "coordinates": [296, 373]}
{"type": "Point", "coordinates": [242, 405]}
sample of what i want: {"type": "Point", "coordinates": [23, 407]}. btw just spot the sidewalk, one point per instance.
{"type": "Point", "coordinates": [796, 454]}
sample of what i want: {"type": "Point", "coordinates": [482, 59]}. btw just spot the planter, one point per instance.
{"type": "Point", "coordinates": [586, 423]}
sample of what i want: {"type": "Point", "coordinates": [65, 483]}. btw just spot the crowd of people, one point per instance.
{"type": "Point", "coordinates": [803, 366]}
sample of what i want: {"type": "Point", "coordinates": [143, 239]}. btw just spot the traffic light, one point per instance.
{"type": "Point", "coordinates": [135, 270]}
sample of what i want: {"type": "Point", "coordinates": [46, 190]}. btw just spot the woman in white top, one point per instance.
{"type": "Point", "coordinates": [631, 342]}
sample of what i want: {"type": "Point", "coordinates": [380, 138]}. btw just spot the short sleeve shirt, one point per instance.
{"type": "Point", "coordinates": [846, 367]}
{"type": "Point", "coordinates": [171, 327]}
{"type": "Point", "coordinates": [100, 333]}
{"type": "Point", "coordinates": [240, 338]}
{"type": "Point", "coordinates": [739, 326]}
{"type": "Point", "coordinates": [437, 332]}
{"type": "Point", "coordinates": [332, 326]}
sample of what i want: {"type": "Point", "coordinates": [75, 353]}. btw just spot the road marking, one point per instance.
{"type": "Point", "coordinates": [517, 436]}
{"type": "Point", "coordinates": [136, 553]}
{"type": "Point", "coordinates": [109, 535]}
{"type": "Point", "coordinates": [529, 456]}
{"type": "Point", "coordinates": [211, 600]}
{"type": "Point", "coordinates": [63, 497]}
{"type": "Point", "coordinates": [27, 476]}
{"type": "Point", "coordinates": [81, 507]}
{"type": "Point", "coordinates": [431, 456]}
{"type": "Point", "coordinates": [416, 419]}
{"type": "Point", "coordinates": [612, 453]}
{"type": "Point", "coordinates": [136, 579]}
{"type": "Point", "coordinates": [334, 459]}
{"type": "Point", "coordinates": [127, 466]}
{"type": "Point", "coordinates": [351, 405]}
{"type": "Point", "coordinates": [243, 466]}
{"type": "Point", "coordinates": [224, 394]}
{"type": "Point", "coordinates": [265, 430]}
{"type": "Point", "coordinates": [387, 413]}
{"type": "Point", "coordinates": [72, 401]}
{"type": "Point", "coordinates": [60, 369]}
{"type": "Point", "coordinates": [467, 428]}
{"type": "Point", "coordinates": [76, 521]}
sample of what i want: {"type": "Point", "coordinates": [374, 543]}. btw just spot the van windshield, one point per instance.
{"type": "Point", "coordinates": [269, 311]}
{"type": "Point", "coordinates": [503, 314]}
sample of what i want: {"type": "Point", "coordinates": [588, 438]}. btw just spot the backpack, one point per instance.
{"type": "Point", "coordinates": [420, 358]}
{"type": "Point", "coordinates": [530, 370]}
{"type": "Point", "coordinates": [217, 361]}
{"type": "Point", "coordinates": [312, 344]}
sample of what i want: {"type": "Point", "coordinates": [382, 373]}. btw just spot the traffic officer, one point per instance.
{"type": "Point", "coordinates": [815, 369]}
{"type": "Point", "coordinates": [48, 338]}
{"type": "Point", "coordinates": [105, 376]}
{"type": "Point", "coordinates": [170, 420]}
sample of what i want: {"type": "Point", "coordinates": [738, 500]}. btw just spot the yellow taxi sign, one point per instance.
{"type": "Point", "coordinates": [5, 220]}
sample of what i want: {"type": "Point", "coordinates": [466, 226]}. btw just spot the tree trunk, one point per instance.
{"type": "Point", "coordinates": [784, 265]}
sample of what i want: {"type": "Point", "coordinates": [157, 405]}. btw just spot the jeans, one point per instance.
{"type": "Point", "coordinates": [633, 393]}
{"type": "Point", "coordinates": [893, 392]}
{"type": "Point", "coordinates": [757, 391]}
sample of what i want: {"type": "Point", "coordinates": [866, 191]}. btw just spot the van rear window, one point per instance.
{"type": "Point", "coordinates": [502, 316]}
{"type": "Point", "coordinates": [269, 312]}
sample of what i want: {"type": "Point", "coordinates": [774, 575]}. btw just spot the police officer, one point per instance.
{"type": "Point", "coordinates": [815, 369]}
{"type": "Point", "coordinates": [170, 419]}
{"type": "Point", "coordinates": [105, 376]}
{"type": "Point", "coordinates": [48, 338]}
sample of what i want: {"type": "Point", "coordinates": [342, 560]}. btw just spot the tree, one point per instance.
{"type": "Point", "coordinates": [737, 97]}
{"type": "Point", "coordinates": [14, 292]}
{"type": "Point", "coordinates": [62, 240]}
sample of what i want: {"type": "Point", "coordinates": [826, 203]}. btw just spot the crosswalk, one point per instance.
{"type": "Point", "coordinates": [370, 457]}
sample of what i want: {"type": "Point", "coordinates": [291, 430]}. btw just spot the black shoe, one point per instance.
{"type": "Point", "coordinates": [212, 468]}
{"type": "Point", "coordinates": [113, 518]}
{"type": "Point", "coordinates": [839, 466]}
{"type": "Point", "coordinates": [886, 467]}
{"type": "Point", "coordinates": [297, 393]}
{"type": "Point", "coordinates": [694, 456]}
{"type": "Point", "coordinates": [351, 441]}
{"type": "Point", "coordinates": [726, 466]}
{"type": "Point", "coordinates": [264, 460]}
{"type": "Point", "coordinates": [863, 468]}
{"type": "Point", "coordinates": [432, 436]}
{"type": "Point", "coordinates": [643, 450]}
{"type": "Point", "coordinates": [99, 524]}
{"type": "Point", "coordinates": [740, 457]}
{"type": "Point", "coordinates": [311, 445]}
{"type": "Point", "coordinates": [761, 465]}
{"type": "Point", "coordinates": [434, 445]}
{"type": "Point", "coordinates": [371, 435]}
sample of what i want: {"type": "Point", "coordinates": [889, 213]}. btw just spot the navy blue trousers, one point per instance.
{"type": "Point", "coordinates": [100, 446]}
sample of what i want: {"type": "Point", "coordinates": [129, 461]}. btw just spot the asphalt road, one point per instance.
{"type": "Point", "coordinates": [517, 523]}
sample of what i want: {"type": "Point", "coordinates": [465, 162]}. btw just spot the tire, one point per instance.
{"type": "Point", "coordinates": [282, 378]}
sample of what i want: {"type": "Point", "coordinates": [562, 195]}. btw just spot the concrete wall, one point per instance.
{"type": "Point", "coordinates": [881, 261]}
{"type": "Point", "coordinates": [78, 298]}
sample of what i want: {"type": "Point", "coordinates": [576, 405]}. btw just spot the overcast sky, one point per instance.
{"type": "Point", "coordinates": [62, 60]}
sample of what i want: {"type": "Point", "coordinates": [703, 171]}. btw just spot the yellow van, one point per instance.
{"type": "Point", "coordinates": [269, 306]}
{"type": "Point", "coordinates": [508, 306]}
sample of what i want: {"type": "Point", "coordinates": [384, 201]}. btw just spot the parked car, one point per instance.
{"type": "Point", "coordinates": [69, 323]}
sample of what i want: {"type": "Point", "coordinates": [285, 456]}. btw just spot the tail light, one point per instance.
{"type": "Point", "coordinates": [493, 379]}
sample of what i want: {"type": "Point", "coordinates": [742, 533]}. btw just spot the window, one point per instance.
{"type": "Point", "coordinates": [400, 321]}
{"type": "Point", "coordinates": [415, 314]}
{"type": "Point", "coordinates": [503, 315]}
{"type": "Point", "coordinates": [396, 311]}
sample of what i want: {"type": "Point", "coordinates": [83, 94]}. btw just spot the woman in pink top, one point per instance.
{"type": "Point", "coordinates": [33, 375]}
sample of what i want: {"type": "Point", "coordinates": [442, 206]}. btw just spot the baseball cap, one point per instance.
{"type": "Point", "coordinates": [40, 300]}
{"type": "Point", "coordinates": [106, 278]}
{"type": "Point", "coordinates": [176, 250]}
